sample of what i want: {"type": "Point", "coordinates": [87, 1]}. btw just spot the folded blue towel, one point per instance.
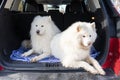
{"type": "Point", "coordinates": [16, 55]}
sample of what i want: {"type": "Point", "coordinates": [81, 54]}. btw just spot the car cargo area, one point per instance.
{"type": "Point", "coordinates": [15, 27]}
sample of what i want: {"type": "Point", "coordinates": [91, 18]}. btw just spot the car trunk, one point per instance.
{"type": "Point", "coordinates": [15, 27]}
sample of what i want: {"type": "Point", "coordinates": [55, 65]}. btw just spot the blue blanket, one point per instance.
{"type": "Point", "coordinates": [16, 55]}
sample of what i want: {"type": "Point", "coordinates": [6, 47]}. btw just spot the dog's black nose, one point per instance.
{"type": "Point", "coordinates": [37, 31]}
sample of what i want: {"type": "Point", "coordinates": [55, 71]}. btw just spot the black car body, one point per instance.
{"type": "Point", "coordinates": [15, 25]}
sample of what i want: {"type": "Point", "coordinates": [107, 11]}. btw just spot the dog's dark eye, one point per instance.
{"type": "Point", "coordinates": [36, 25]}
{"type": "Point", "coordinates": [89, 35]}
{"type": "Point", "coordinates": [83, 36]}
{"type": "Point", "coordinates": [42, 26]}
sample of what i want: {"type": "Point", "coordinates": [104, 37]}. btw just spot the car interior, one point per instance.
{"type": "Point", "coordinates": [15, 23]}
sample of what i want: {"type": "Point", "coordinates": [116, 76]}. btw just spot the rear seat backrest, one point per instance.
{"type": "Point", "coordinates": [70, 18]}
{"type": "Point", "coordinates": [22, 22]}
{"type": "Point", "coordinates": [74, 6]}
{"type": "Point", "coordinates": [76, 12]}
{"type": "Point", "coordinates": [57, 17]}
{"type": "Point", "coordinates": [32, 6]}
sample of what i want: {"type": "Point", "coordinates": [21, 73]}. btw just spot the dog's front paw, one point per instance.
{"type": "Point", "coordinates": [66, 66]}
{"type": "Point", "coordinates": [102, 72]}
{"type": "Point", "coordinates": [94, 71]}
{"type": "Point", "coordinates": [24, 54]}
{"type": "Point", "coordinates": [34, 59]}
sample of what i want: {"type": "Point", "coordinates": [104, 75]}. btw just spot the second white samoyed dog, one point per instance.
{"type": "Point", "coordinates": [73, 45]}
{"type": "Point", "coordinates": [42, 31]}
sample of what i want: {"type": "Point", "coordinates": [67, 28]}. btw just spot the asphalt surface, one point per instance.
{"type": "Point", "coordinates": [55, 76]}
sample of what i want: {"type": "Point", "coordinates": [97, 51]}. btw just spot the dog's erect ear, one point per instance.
{"type": "Point", "coordinates": [78, 28]}
{"type": "Point", "coordinates": [49, 18]}
{"type": "Point", "coordinates": [38, 16]}
{"type": "Point", "coordinates": [93, 26]}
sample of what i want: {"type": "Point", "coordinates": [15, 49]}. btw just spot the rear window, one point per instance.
{"type": "Point", "coordinates": [116, 5]}
{"type": "Point", "coordinates": [32, 6]}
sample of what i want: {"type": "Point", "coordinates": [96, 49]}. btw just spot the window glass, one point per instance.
{"type": "Point", "coordinates": [61, 8]}
{"type": "Point", "coordinates": [116, 4]}
{"type": "Point", "coordinates": [8, 4]}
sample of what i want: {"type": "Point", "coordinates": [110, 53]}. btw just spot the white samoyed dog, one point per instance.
{"type": "Point", "coordinates": [73, 45]}
{"type": "Point", "coordinates": [42, 31]}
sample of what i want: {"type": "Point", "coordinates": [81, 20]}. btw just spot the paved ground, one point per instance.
{"type": "Point", "coordinates": [55, 76]}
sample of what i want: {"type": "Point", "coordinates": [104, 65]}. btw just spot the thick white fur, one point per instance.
{"type": "Point", "coordinates": [72, 47]}
{"type": "Point", "coordinates": [42, 31]}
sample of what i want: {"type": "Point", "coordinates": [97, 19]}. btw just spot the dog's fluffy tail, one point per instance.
{"type": "Point", "coordinates": [26, 44]}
